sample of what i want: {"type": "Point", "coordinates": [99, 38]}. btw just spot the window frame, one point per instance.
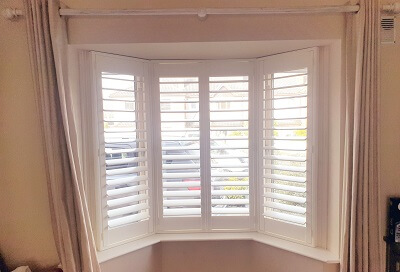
{"type": "Point", "coordinates": [310, 236]}
{"type": "Point", "coordinates": [93, 135]}
{"type": "Point", "coordinates": [318, 232]}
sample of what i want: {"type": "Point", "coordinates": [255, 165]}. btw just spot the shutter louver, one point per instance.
{"type": "Point", "coordinates": [125, 148]}
{"type": "Point", "coordinates": [229, 145]}
{"type": "Point", "coordinates": [285, 149]}
{"type": "Point", "coordinates": [180, 144]}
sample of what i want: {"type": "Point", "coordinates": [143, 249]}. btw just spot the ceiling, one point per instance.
{"type": "Point", "coordinates": [204, 50]}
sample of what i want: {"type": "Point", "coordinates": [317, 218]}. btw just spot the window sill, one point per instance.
{"type": "Point", "coordinates": [319, 254]}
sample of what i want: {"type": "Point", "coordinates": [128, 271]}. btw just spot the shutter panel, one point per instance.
{"type": "Point", "coordinates": [180, 144]}
{"type": "Point", "coordinates": [123, 147]}
{"type": "Point", "coordinates": [204, 177]}
{"type": "Point", "coordinates": [285, 135]}
{"type": "Point", "coordinates": [287, 143]}
{"type": "Point", "coordinates": [229, 145]}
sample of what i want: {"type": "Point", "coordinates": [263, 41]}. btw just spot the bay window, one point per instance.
{"type": "Point", "coordinates": [204, 146]}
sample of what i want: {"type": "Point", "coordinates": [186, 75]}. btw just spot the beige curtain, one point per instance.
{"type": "Point", "coordinates": [71, 224]}
{"type": "Point", "coordinates": [360, 228]}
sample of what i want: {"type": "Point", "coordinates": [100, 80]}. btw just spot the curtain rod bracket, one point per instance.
{"type": "Point", "coordinates": [12, 14]}
{"type": "Point", "coordinates": [202, 15]}
{"type": "Point", "coordinates": [393, 8]}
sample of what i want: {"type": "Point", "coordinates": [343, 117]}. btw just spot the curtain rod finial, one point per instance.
{"type": "Point", "coordinates": [12, 13]}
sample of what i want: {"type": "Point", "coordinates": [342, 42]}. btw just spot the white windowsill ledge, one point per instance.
{"type": "Point", "coordinates": [319, 254]}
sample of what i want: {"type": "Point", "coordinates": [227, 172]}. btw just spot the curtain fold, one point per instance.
{"type": "Point", "coordinates": [47, 41]}
{"type": "Point", "coordinates": [360, 221]}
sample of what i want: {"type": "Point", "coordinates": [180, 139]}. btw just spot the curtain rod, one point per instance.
{"type": "Point", "coordinates": [202, 13]}
{"type": "Point", "coordinates": [13, 14]}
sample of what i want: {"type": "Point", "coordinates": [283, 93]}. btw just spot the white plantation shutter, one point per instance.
{"type": "Point", "coordinates": [213, 140]}
{"type": "Point", "coordinates": [177, 90]}
{"type": "Point", "coordinates": [180, 144]}
{"type": "Point", "coordinates": [287, 143]}
{"type": "Point", "coordinates": [123, 147]}
{"type": "Point", "coordinates": [229, 145]}
{"type": "Point", "coordinates": [230, 137]}
{"type": "Point", "coordinates": [204, 136]}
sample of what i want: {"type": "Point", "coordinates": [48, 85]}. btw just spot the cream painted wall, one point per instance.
{"type": "Point", "coordinates": [390, 123]}
{"type": "Point", "coordinates": [147, 259]}
{"type": "Point", "coordinates": [267, 258]}
{"type": "Point", "coordinates": [25, 226]}
{"type": "Point", "coordinates": [215, 256]}
{"type": "Point", "coordinates": [234, 256]}
{"type": "Point", "coordinates": [83, 30]}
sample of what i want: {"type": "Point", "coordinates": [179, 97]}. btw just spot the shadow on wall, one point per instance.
{"type": "Point", "coordinates": [214, 256]}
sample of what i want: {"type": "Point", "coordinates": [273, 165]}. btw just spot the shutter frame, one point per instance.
{"type": "Point", "coordinates": [118, 219]}
{"type": "Point", "coordinates": [174, 208]}
{"type": "Point", "coordinates": [290, 228]}
{"type": "Point", "coordinates": [204, 70]}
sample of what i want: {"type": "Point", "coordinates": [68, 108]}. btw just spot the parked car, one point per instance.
{"type": "Point", "coordinates": [112, 155]}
